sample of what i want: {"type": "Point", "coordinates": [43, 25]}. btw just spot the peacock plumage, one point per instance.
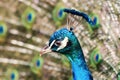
{"type": "Point", "coordinates": [27, 25]}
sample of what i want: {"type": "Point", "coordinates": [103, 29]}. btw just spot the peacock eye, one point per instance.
{"type": "Point", "coordinates": [57, 43]}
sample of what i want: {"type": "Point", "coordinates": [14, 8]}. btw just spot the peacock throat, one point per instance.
{"type": "Point", "coordinates": [79, 67]}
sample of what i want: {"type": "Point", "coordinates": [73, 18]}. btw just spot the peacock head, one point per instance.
{"type": "Point", "coordinates": [62, 41]}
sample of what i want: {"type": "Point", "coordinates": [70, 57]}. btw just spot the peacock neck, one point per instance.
{"type": "Point", "coordinates": [79, 67]}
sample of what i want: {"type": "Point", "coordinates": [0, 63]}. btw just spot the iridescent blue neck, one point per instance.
{"type": "Point", "coordinates": [79, 67]}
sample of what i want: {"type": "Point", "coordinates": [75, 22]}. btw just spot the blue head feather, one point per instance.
{"type": "Point", "coordinates": [73, 52]}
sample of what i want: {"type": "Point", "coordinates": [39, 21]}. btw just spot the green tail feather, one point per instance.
{"type": "Point", "coordinates": [28, 18]}
{"type": "Point", "coordinates": [95, 57]}
{"type": "Point", "coordinates": [91, 27]}
{"type": "Point", "coordinates": [12, 74]}
{"type": "Point", "coordinates": [36, 64]}
{"type": "Point", "coordinates": [58, 14]}
{"type": "Point", "coordinates": [3, 31]}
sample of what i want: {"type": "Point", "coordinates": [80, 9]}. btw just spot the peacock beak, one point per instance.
{"type": "Point", "coordinates": [47, 49]}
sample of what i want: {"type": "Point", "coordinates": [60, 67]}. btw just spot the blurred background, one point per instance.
{"type": "Point", "coordinates": [25, 28]}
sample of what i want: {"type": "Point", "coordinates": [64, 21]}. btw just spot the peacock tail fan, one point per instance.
{"type": "Point", "coordinates": [58, 14]}
{"type": "Point", "coordinates": [36, 64]}
{"type": "Point", "coordinates": [3, 31]}
{"type": "Point", "coordinates": [12, 74]}
{"type": "Point", "coordinates": [95, 58]}
{"type": "Point", "coordinates": [28, 18]}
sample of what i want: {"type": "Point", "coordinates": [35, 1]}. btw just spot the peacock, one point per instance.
{"type": "Point", "coordinates": [27, 25]}
{"type": "Point", "coordinates": [65, 42]}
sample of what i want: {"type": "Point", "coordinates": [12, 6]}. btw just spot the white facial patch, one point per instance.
{"type": "Point", "coordinates": [52, 44]}
{"type": "Point", "coordinates": [63, 43]}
